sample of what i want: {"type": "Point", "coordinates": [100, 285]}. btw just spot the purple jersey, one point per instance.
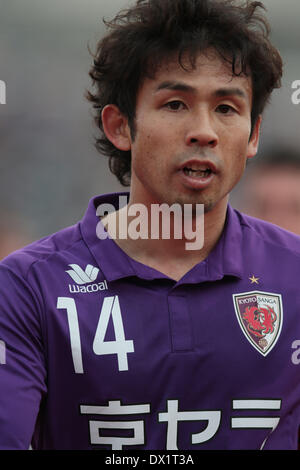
{"type": "Point", "coordinates": [98, 351]}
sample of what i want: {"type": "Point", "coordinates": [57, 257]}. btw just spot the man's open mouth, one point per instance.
{"type": "Point", "coordinates": [197, 173]}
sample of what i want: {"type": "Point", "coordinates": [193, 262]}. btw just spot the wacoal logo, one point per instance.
{"type": "Point", "coordinates": [83, 277]}
{"type": "Point", "coordinates": [86, 276]}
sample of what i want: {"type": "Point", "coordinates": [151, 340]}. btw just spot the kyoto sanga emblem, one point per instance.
{"type": "Point", "coordinates": [260, 318]}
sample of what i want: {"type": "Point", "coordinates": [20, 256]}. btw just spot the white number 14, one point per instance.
{"type": "Point", "coordinates": [120, 346]}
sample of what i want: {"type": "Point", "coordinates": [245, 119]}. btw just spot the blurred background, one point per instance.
{"type": "Point", "coordinates": [49, 168]}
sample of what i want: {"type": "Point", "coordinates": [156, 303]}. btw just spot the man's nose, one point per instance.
{"type": "Point", "coordinates": [202, 131]}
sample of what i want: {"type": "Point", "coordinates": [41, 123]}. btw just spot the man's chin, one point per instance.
{"type": "Point", "coordinates": [193, 202]}
{"type": "Point", "coordinates": [208, 206]}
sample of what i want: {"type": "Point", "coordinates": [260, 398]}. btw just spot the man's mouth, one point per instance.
{"type": "Point", "coordinates": [197, 172]}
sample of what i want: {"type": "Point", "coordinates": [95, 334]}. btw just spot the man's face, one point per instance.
{"type": "Point", "coordinates": [192, 134]}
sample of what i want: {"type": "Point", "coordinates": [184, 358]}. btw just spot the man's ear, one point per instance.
{"type": "Point", "coordinates": [254, 139]}
{"type": "Point", "coordinates": [116, 128]}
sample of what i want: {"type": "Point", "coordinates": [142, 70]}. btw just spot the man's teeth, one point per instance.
{"type": "Point", "coordinates": [198, 173]}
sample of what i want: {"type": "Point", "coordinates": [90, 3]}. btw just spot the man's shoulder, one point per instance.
{"type": "Point", "coordinates": [42, 250]}
{"type": "Point", "coordinates": [270, 234]}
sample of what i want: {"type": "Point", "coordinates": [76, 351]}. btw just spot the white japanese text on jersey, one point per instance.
{"type": "Point", "coordinates": [172, 417]}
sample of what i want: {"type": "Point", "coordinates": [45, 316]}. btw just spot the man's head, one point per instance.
{"type": "Point", "coordinates": [271, 188]}
{"type": "Point", "coordinates": [154, 32]}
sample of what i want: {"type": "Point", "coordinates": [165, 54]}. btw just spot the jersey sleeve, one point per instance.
{"type": "Point", "coordinates": [22, 360]}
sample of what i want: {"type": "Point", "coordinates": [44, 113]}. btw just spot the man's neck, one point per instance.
{"type": "Point", "coordinates": [169, 256]}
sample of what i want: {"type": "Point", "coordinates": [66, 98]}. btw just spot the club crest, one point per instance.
{"type": "Point", "coordinates": [260, 318]}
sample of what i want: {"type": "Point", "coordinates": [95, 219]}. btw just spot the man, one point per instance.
{"type": "Point", "coordinates": [114, 341]}
{"type": "Point", "coordinates": [271, 189]}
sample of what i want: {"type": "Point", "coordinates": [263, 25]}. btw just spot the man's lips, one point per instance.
{"type": "Point", "coordinates": [197, 167]}
{"type": "Point", "coordinates": [197, 174]}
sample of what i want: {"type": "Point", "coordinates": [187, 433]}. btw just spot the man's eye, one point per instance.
{"type": "Point", "coordinates": [225, 109]}
{"type": "Point", "coordinates": [174, 105]}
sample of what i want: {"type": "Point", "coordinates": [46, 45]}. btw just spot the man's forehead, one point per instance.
{"type": "Point", "coordinates": [207, 63]}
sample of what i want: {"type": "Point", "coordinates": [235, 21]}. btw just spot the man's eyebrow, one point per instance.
{"type": "Point", "coordinates": [230, 92]}
{"type": "Point", "coordinates": [181, 86]}
{"type": "Point", "coordinates": [176, 86]}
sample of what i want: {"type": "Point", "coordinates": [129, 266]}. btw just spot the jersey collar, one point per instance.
{"type": "Point", "coordinates": [224, 260]}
